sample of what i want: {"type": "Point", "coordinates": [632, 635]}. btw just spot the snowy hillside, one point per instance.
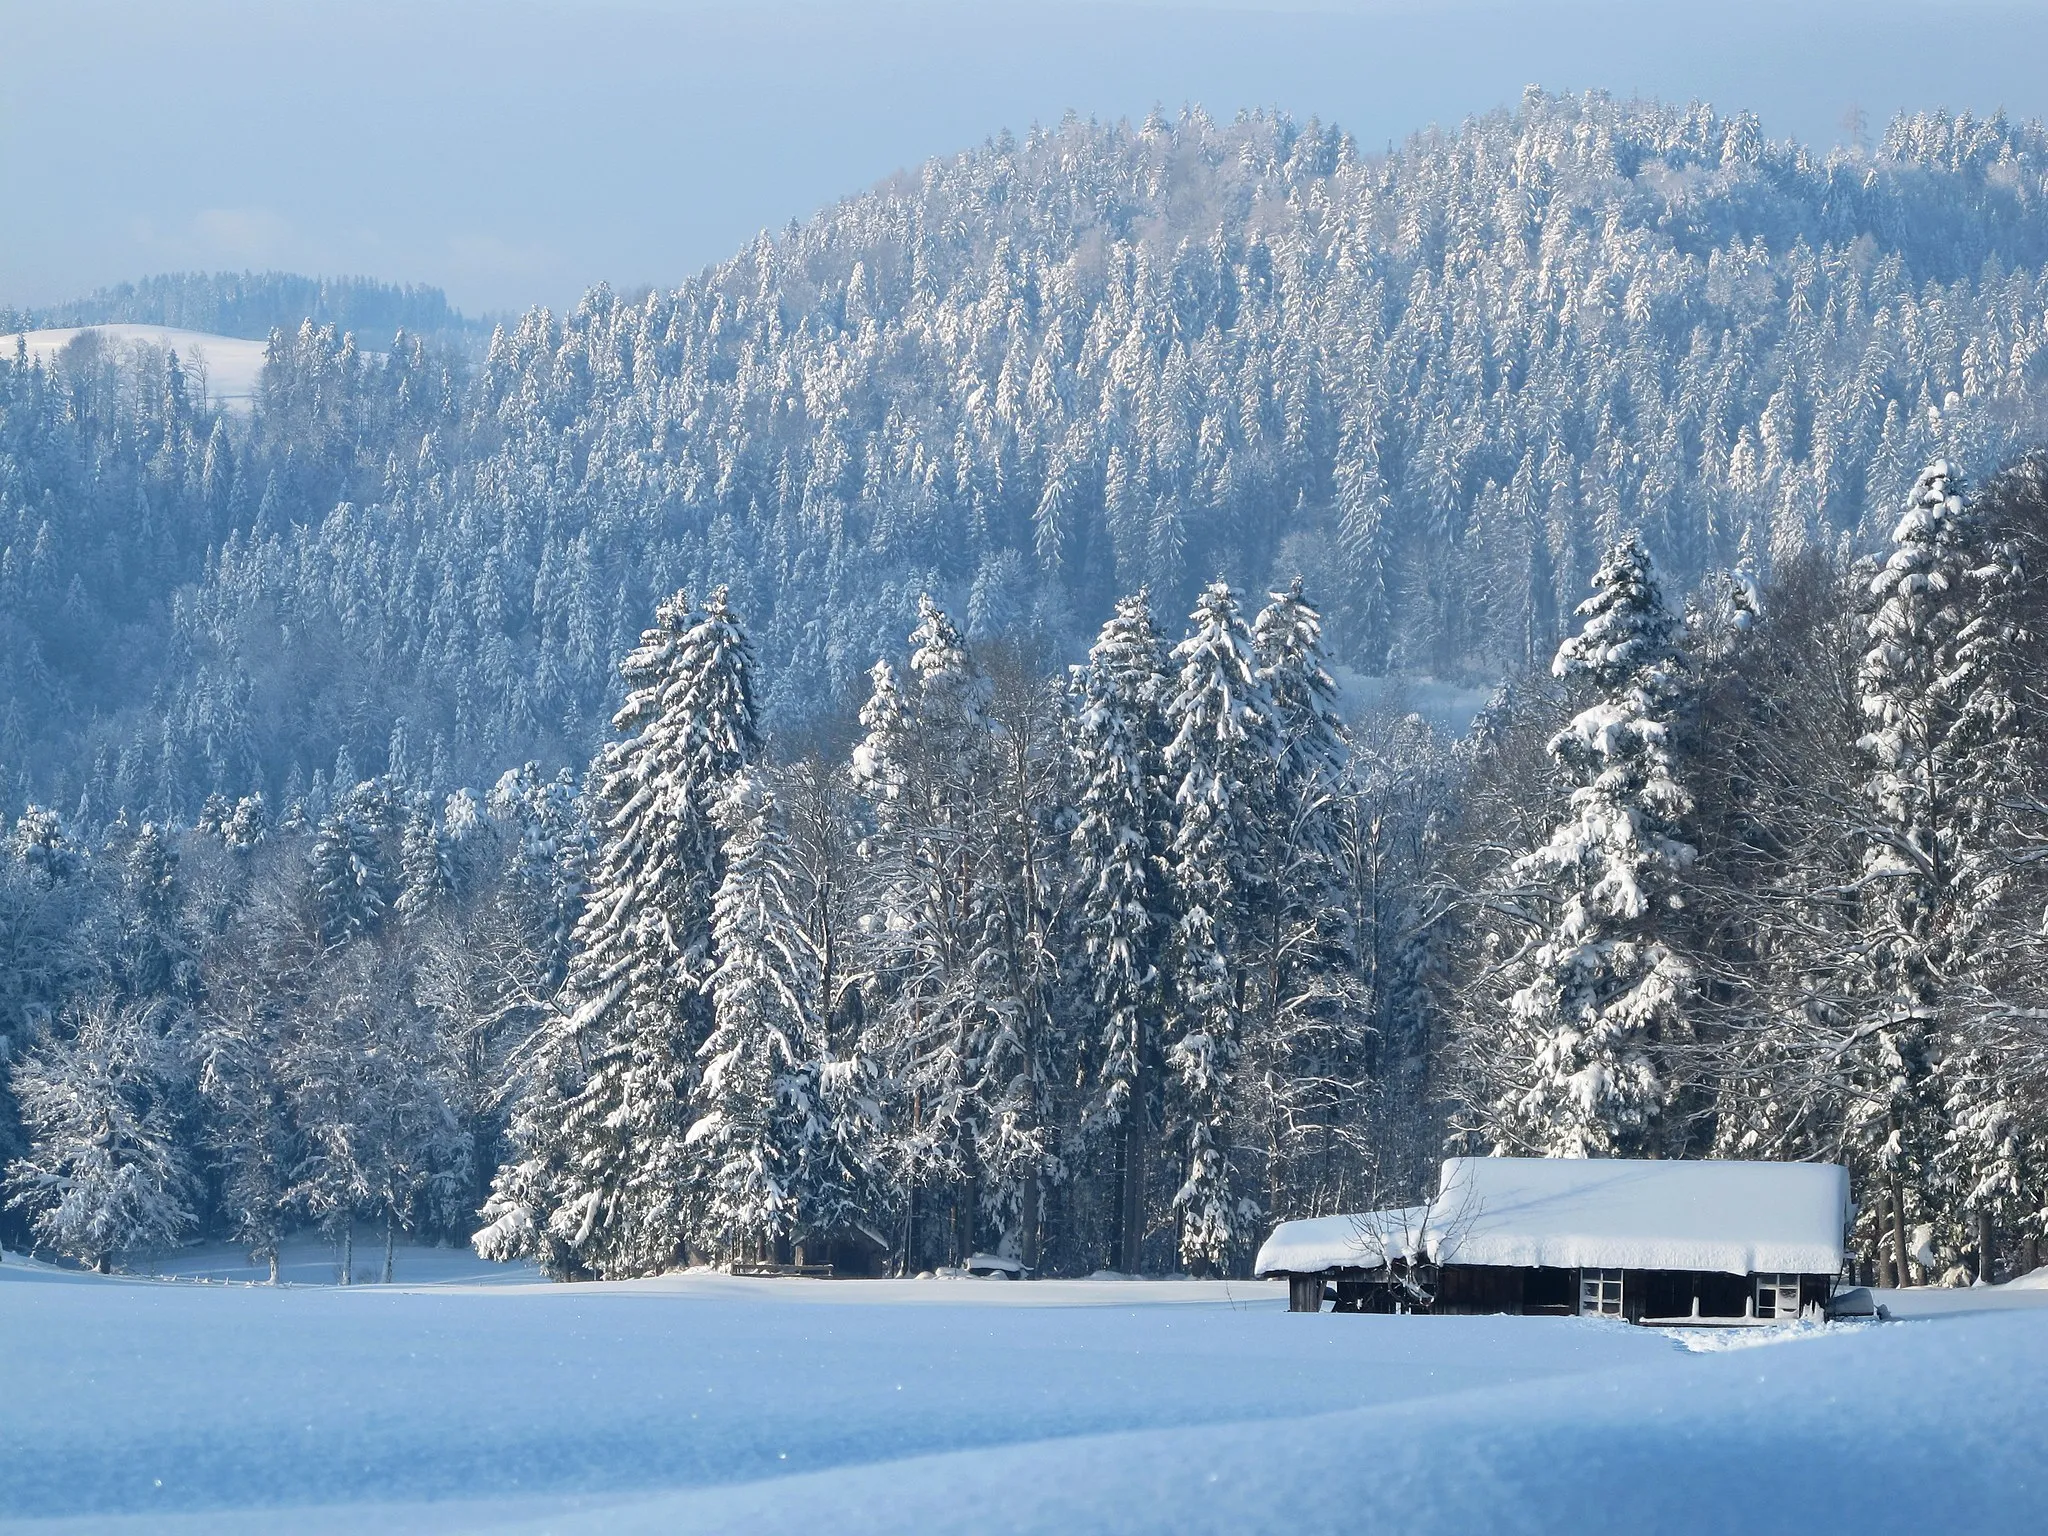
{"type": "Point", "coordinates": [230, 365]}
{"type": "Point", "coordinates": [703, 1403]}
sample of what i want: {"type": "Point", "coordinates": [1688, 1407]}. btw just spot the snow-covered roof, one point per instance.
{"type": "Point", "coordinates": [1569, 1213]}
{"type": "Point", "coordinates": [1363, 1241]}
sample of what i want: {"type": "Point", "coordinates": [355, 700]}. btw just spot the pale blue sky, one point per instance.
{"type": "Point", "coordinates": [518, 150]}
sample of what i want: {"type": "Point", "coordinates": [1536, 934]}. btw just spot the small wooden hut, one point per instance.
{"type": "Point", "coordinates": [1652, 1242]}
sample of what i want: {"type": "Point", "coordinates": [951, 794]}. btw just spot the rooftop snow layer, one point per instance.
{"type": "Point", "coordinates": [1362, 1241]}
{"type": "Point", "coordinates": [1569, 1213]}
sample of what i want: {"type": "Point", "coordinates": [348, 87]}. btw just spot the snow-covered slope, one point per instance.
{"type": "Point", "coordinates": [232, 364]}
{"type": "Point", "coordinates": [706, 1403]}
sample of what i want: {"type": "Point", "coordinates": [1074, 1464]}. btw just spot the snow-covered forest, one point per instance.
{"type": "Point", "coordinates": [847, 751]}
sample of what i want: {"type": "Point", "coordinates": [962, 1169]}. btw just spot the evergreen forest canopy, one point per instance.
{"type": "Point", "coordinates": [1106, 967]}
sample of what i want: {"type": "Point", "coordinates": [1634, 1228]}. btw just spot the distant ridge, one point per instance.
{"type": "Point", "coordinates": [253, 304]}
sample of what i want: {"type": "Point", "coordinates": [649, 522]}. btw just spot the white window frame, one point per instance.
{"type": "Point", "coordinates": [1600, 1293]}
{"type": "Point", "coordinates": [1776, 1298]}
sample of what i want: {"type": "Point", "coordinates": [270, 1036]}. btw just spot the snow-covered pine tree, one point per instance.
{"type": "Point", "coordinates": [106, 1170]}
{"type": "Point", "coordinates": [1017, 901]}
{"type": "Point", "coordinates": [156, 959]}
{"type": "Point", "coordinates": [881, 758]}
{"type": "Point", "coordinates": [1310, 740]}
{"type": "Point", "coordinates": [1942, 747]}
{"type": "Point", "coordinates": [1219, 757]}
{"type": "Point", "coordinates": [349, 868]}
{"type": "Point", "coordinates": [423, 879]}
{"type": "Point", "coordinates": [612, 1174]}
{"type": "Point", "coordinates": [756, 1101]}
{"type": "Point", "coordinates": [1124, 909]}
{"type": "Point", "coordinates": [923, 765]}
{"type": "Point", "coordinates": [1599, 990]}
{"type": "Point", "coordinates": [1309, 1024]}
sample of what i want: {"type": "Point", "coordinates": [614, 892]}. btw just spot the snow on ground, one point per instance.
{"type": "Point", "coordinates": [703, 1402]}
{"type": "Point", "coordinates": [232, 363]}
{"type": "Point", "coordinates": [309, 1259]}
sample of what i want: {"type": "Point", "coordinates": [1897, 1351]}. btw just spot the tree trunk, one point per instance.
{"type": "Point", "coordinates": [1027, 1222]}
{"type": "Point", "coordinates": [273, 1263]}
{"type": "Point", "coordinates": [1133, 1253]}
{"type": "Point", "coordinates": [103, 1265]}
{"type": "Point", "coordinates": [1987, 1248]}
{"type": "Point", "coordinates": [389, 1238]}
{"type": "Point", "coordinates": [1886, 1278]}
{"type": "Point", "coordinates": [966, 1206]}
{"type": "Point", "coordinates": [348, 1252]}
{"type": "Point", "coordinates": [1899, 1231]}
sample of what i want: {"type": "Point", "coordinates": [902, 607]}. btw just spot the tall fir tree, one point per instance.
{"type": "Point", "coordinates": [612, 1172]}
{"type": "Point", "coordinates": [1124, 913]}
{"type": "Point", "coordinates": [1310, 1025]}
{"type": "Point", "coordinates": [1942, 748]}
{"type": "Point", "coordinates": [1220, 755]}
{"type": "Point", "coordinates": [756, 1100]}
{"type": "Point", "coordinates": [1599, 991]}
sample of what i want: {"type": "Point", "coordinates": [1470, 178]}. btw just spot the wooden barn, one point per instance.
{"type": "Point", "coordinates": [1652, 1242]}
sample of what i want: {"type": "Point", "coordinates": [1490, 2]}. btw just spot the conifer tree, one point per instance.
{"type": "Point", "coordinates": [1124, 916]}
{"type": "Point", "coordinates": [1309, 1023]}
{"type": "Point", "coordinates": [1219, 757]}
{"type": "Point", "coordinates": [423, 880]}
{"type": "Point", "coordinates": [757, 1098]}
{"type": "Point", "coordinates": [1599, 990]}
{"type": "Point", "coordinates": [349, 870]}
{"type": "Point", "coordinates": [613, 1174]}
{"type": "Point", "coordinates": [1941, 748]}
{"type": "Point", "coordinates": [923, 765]}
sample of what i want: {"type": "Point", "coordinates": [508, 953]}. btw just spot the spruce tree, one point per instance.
{"type": "Point", "coordinates": [1124, 822]}
{"type": "Point", "coordinates": [423, 879]}
{"type": "Point", "coordinates": [924, 765]}
{"type": "Point", "coordinates": [1223, 741]}
{"type": "Point", "coordinates": [756, 1101]}
{"type": "Point", "coordinates": [611, 1176]}
{"type": "Point", "coordinates": [1308, 1026]}
{"type": "Point", "coordinates": [1599, 992]}
{"type": "Point", "coordinates": [1941, 749]}
{"type": "Point", "coordinates": [350, 871]}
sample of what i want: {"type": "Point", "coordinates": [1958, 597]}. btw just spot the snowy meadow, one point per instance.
{"type": "Point", "coordinates": [706, 1402]}
{"type": "Point", "coordinates": [1139, 686]}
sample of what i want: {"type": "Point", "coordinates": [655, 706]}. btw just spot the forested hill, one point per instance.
{"type": "Point", "coordinates": [1027, 378]}
{"type": "Point", "coordinates": [253, 304]}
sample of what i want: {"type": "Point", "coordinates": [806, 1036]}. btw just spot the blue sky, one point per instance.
{"type": "Point", "coordinates": [515, 151]}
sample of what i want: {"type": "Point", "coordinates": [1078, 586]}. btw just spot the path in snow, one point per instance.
{"type": "Point", "coordinates": [701, 1402]}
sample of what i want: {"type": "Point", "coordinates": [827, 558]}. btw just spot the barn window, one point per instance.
{"type": "Point", "coordinates": [1599, 1293]}
{"type": "Point", "coordinates": [1777, 1296]}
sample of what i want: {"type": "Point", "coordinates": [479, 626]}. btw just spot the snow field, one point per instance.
{"type": "Point", "coordinates": [233, 363]}
{"type": "Point", "coordinates": [310, 1259]}
{"type": "Point", "coordinates": [702, 1402]}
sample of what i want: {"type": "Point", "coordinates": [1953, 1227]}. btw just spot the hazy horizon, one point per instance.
{"type": "Point", "coordinates": [518, 153]}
